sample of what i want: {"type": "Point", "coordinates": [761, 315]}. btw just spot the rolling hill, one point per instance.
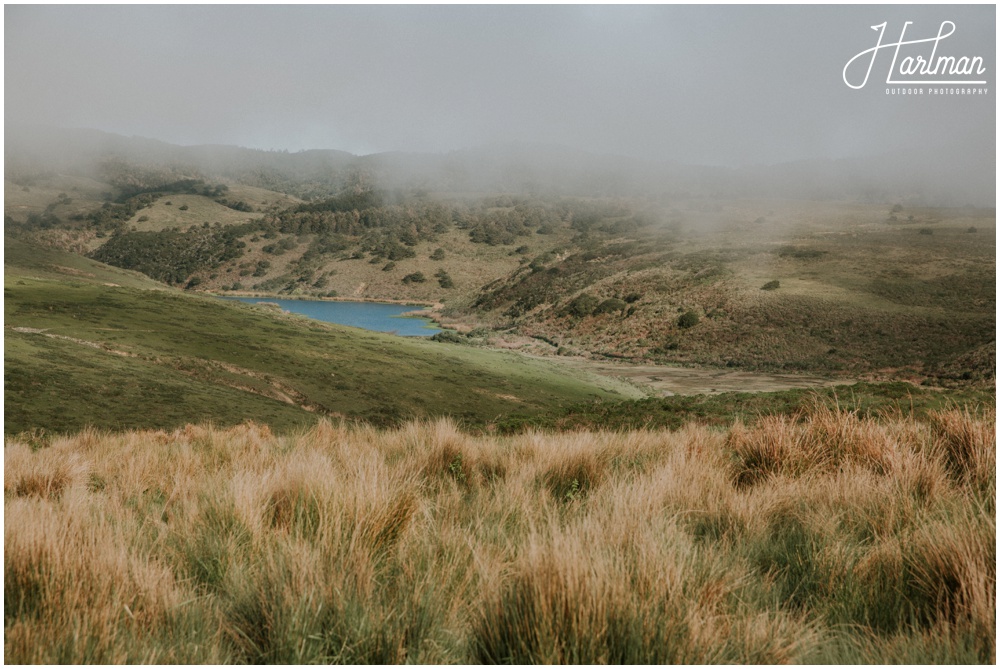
{"type": "Point", "coordinates": [88, 344]}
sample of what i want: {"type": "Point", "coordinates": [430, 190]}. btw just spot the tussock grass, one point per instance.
{"type": "Point", "coordinates": [967, 445]}
{"type": "Point", "coordinates": [827, 536]}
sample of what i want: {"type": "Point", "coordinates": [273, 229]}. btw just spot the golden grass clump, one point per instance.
{"type": "Point", "coordinates": [968, 445]}
{"type": "Point", "coordinates": [822, 439]}
{"type": "Point", "coordinates": [46, 474]}
{"type": "Point", "coordinates": [951, 567]}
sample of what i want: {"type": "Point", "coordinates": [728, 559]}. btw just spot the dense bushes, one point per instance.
{"type": "Point", "coordinates": [169, 255]}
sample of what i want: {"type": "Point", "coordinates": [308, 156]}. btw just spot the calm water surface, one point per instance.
{"type": "Point", "coordinates": [367, 315]}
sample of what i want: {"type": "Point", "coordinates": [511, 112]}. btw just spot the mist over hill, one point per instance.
{"type": "Point", "coordinates": [913, 176]}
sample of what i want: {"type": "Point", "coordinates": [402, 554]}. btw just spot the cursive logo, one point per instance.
{"type": "Point", "coordinates": [915, 68]}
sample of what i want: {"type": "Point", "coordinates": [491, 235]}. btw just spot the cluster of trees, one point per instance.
{"type": "Point", "coordinates": [496, 227]}
{"type": "Point", "coordinates": [409, 220]}
{"type": "Point", "coordinates": [35, 221]}
{"type": "Point", "coordinates": [410, 224]}
{"type": "Point", "coordinates": [172, 256]}
{"type": "Point", "coordinates": [238, 205]}
{"type": "Point", "coordinates": [178, 187]}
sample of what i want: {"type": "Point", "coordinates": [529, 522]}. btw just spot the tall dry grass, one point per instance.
{"type": "Point", "coordinates": [824, 538]}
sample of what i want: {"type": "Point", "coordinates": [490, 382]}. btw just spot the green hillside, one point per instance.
{"type": "Point", "coordinates": [87, 344]}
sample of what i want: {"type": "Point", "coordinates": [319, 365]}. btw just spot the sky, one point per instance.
{"type": "Point", "coordinates": [714, 85]}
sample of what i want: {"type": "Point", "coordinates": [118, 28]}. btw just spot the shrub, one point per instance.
{"type": "Point", "coordinates": [415, 277]}
{"type": "Point", "coordinates": [688, 319]}
{"type": "Point", "coordinates": [771, 285]}
{"type": "Point", "coordinates": [610, 305]}
{"type": "Point", "coordinates": [389, 266]}
{"type": "Point", "coordinates": [183, 207]}
{"type": "Point", "coordinates": [448, 336]}
{"type": "Point", "coordinates": [582, 305]}
{"type": "Point", "coordinates": [444, 279]}
{"type": "Point", "coordinates": [438, 254]}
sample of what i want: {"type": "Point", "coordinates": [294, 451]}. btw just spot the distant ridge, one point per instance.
{"type": "Point", "coordinates": [914, 176]}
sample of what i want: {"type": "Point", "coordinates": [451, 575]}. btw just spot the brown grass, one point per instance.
{"type": "Point", "coordinates": [823, 538]}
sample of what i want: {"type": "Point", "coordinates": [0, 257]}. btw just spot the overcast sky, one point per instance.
{"type": "Point", "coordinates": [711, 85]}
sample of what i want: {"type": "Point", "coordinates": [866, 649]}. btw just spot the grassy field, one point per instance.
{"type": "Point", "coordinates": [870, 400]}
{"type": "Point", "coordinates": [828, 537]}
{"type": "Point", "coordinates": [23, 260]}
{"type": "Point", "coordinates": [35, 195]}
{"type": "Point", "coordinates": [80, 352]}
{"type": "Point", "coordinates": [185, 210]}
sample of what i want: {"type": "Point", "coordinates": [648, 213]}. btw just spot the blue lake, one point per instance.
{"type": "Point", "coordinates": [368, 315]}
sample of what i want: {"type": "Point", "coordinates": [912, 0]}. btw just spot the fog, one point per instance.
{"type": "Point", "coordinates": [707, 85]}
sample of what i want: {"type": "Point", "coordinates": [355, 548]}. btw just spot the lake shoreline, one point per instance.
{"type": "Point", "coordinates": [311, 298]}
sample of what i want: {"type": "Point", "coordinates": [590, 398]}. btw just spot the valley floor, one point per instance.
{"type": "Point", "coordinates": [667, 380]}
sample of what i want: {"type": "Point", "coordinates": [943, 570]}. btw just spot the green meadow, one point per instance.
{"type": "Point", "coordinates": [83, 353]}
